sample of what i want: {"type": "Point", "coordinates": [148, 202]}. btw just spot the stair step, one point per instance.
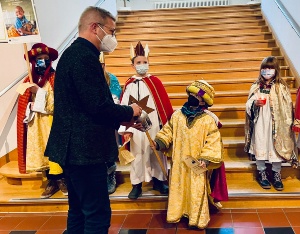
{"type": "Point", "coordinates": [197, 9]}
{"type": "Point", "coordinates": [202, 74]}
{"type": "Point", "coordinates": [111, 60]}
{"type": "Point", "coordinates": [193, 18]}
{"type": "Point", "coordinates": [193, 32]}
{"type": "Point", "coordinates": [190, 46]}
{"type": "Point", "coordinates": [124, 28]}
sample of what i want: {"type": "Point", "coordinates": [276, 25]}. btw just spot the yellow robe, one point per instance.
{"type": "Point", "coordinates": [37, 137]}
{"type": "Point", "coordinates": [189, 192]}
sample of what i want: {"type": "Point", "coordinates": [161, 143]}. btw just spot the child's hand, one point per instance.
{"type": "Point", "coordinates": [259, 102]}
{"type": "Point", "coordinates": [153, 145]}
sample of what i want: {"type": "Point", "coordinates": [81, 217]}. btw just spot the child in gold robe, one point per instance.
{"type": "Point", "coordinates": [193, 132]}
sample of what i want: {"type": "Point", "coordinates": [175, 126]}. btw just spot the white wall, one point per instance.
{"type": "Point", "coordinates": [285, 33]}
{"type": "Point", "coordinates": [56, 20]}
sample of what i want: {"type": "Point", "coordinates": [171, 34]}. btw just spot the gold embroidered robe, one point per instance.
{"type": "Point", "coordinates": [189, 192]}
{"type": "Point", "coordinates": [38, 133]}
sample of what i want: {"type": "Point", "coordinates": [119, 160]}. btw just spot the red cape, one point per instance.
{"type": "Point", "coordinates": [161, 98]}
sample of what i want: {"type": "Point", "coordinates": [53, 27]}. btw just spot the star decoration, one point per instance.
{"type": "Point", "coordinates": [142, 103]}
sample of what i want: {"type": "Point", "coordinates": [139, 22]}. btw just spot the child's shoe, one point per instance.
{"type": "Point", "coordinates": [160, 186]}
{"type": "Point", "coordinates": [263, 180]}
{"type": "Point", "coordinates": [136, 191]}
{"type": "Point", "coordinates": [277, 183]}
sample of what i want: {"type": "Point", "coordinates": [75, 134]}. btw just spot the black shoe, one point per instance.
{"type": "Point", "coordinates": [277, 183]}
{"type": "Point", "coordinates": [136, 191]}
{"type": "Point", "coordinates": [111, 182]}
{"type": "Point", "coordinates": [160, 186]}
{"type": "Point", "coordinates": [263, 180]}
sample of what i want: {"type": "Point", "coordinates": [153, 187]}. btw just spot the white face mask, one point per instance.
{"type": "Point", "coordinates": [267, 73]}
{"type": "Point", "coordinates": [142, 69]}
{"type": "Point", "coordinates": [108, 42]}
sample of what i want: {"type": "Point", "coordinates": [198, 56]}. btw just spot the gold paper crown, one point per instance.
{"type": "Point", "coordinates": [202, 89]}
{"type": "Point", "coordinates": [139, 50]}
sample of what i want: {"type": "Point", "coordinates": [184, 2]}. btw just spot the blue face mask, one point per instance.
{"type": "Point", "coordinates": [267, 73]}
{"type": "Point", "coordinates": [41, 66]}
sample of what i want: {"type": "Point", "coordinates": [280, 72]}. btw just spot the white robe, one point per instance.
{"type": "Point", "coordinates": [145, 166]}
{"type": "Point", "coordinates": [262, 145]}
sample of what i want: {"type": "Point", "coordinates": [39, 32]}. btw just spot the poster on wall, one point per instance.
{"type": "Point", "coordinates": [20, 22]}
{"type": "Point", "coordinates": [3, 35]}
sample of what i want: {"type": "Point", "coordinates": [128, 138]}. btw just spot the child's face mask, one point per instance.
{"type": "Point", "coordinates": [193, 101]}
{"type": "Point", "coordinates": [41, 66]}
{"type": "Point", "coordinates": [142, 69]}
{"type": "Point", "coordinates": [267, 73]}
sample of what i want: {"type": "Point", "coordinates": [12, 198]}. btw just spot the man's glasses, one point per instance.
{"type": "Point", "coordinates": [112, 30]}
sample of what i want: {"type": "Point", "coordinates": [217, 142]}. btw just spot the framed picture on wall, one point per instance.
{"type": "Point", "coordinates": [20, 22]}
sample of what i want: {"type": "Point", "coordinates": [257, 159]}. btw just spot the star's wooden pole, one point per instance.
{"type": "Point", "coordinates": [156, 154]}
{"type": "Point", "coordinates": [27, 62]}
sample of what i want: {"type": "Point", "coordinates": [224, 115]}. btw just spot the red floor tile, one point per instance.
{"type": "Point", "coordinates": [5, 232]}
{"type": "Point", "coordinates": [113, 230]}
{"type": "Point", "coordinates": [159, 221]}
{"type": "Point", "coordinates": [245, 230]}
{"type": "Point", "coordinates": [220, 220]}
{"type": "Point", "coordinates": [55, 223]}
{"type": "Point", "coordinates": [294, 218]}
{"type": "Point", "coordinates": [117, 221]}
{"type": "Point", "coordinates": [296, 230]}
{"type": "Point", "coordinates": [274, 220]}
{"type": "Point", "coordinates": [189, 231]}
{"type": "Point", "coordinates": [161, 231]}
{"type": "Point", "coordinates": [270, 210]}
{"type": "Point", "coordinates": [137, 221]}
{"type": "Point", "coordinates": [243, 211]}
{"type": "Point", "coordinates": [245, 220]}
{"type": "Point", "coordinates": [9, 223]}
{"type": "Point", "coordinates": [60, 231]}
{"type": "Point", "coordinates": [32, 223]}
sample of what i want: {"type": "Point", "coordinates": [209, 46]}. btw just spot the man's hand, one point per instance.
{"type": "Point", "coordinates": [127, 136]}
{"type": "Point", "coordinates": [137, 110]}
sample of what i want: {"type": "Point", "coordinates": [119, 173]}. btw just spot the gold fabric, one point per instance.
{"type": "Point", "coordinates": [282, 120]}
{"type": "Point", "coordinates": [189, 192]}
{"type": "Point", "coordinates": [37, 137]}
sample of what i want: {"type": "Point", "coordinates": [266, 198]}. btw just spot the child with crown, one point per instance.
{"type": "Point", "coordinates": [148, 92]}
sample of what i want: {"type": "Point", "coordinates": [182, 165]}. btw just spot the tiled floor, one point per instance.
{"type": "Point", "coordinates": [228, 221]}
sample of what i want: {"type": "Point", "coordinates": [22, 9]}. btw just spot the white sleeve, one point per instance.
{"type": "Point", "coordinates": [40, 101]}
{"type": "Point", "coordinates": [29, 114]}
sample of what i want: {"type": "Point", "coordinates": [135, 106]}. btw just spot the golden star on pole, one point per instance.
{"type": "Point", "coordinates": [142, 103]}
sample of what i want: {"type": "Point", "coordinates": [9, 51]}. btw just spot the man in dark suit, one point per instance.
{"type": "Point", "coordinates": [82, 137]}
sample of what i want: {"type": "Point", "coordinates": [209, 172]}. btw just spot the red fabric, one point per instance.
{"type": "Point", "coordinates": [297, 112]}
{"type": "Point", "coordinates": [218, 184]}
{"type": "Point", "coordinates": [22, 128]}
{"type": "Point", "coordinates": [161, 99]}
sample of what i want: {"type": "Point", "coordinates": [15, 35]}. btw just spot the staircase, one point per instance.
{"type": "Point", "coordinates": [223, 45]}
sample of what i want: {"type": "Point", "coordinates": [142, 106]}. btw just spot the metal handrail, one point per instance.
{"type": "Point", "coordinates": [288, 17]}
{"type": "Point", "coordinates": [60, 50]}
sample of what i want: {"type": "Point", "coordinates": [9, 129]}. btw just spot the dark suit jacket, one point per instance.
{"type": "Point", "coordinates": [85, 116]}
